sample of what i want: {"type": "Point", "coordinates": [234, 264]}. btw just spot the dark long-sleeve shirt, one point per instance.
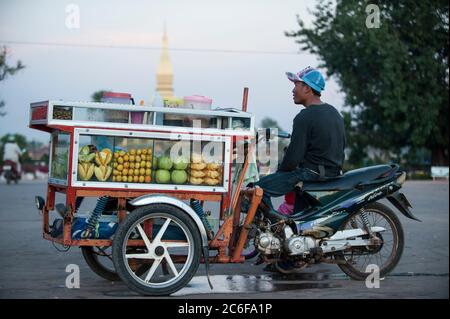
{"type": "Point", "coordinates": [318, 138]}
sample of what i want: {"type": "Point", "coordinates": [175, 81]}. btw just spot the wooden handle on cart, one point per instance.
{"type": "Point", "coordinates": [244, 100]}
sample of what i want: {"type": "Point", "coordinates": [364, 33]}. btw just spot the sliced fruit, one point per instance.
{"type": "Point", "coordinates": [102, 172]}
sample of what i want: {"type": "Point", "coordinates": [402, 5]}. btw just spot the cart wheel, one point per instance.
{"type": "Point", "coordinates": [100, 261]}
{"type": "Point", "coordinates": [173, 233]}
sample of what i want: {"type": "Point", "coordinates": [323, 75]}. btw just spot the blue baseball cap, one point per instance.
{"type": "Point", "coordinates": [310, 76]}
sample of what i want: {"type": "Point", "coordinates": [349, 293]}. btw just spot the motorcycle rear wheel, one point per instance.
{"type": "Point", "coordinates": [378, 215]}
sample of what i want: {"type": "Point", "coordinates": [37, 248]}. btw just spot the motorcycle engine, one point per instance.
{"type": "Point", "coordinates": [267, 243]}
{"type": "Point", "coordinates": [298, 245]}
{"type": "Point", "coordinates": [270, 243]}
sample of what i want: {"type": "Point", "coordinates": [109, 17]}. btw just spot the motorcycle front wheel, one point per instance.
{"type": "Point", "coordinates": [385, 255]}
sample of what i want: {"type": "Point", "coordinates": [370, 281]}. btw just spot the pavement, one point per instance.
{"type": "Point", "coordinates": [31, 267]}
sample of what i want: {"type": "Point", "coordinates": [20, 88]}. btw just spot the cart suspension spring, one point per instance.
{"type": "Point", "coordinates": [195, 204]}
{"type": "Point", "coordinates": [95, 216]}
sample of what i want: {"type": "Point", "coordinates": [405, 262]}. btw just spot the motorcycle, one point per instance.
{"type": "Point", "coordinates": [340, 221]}
{"type": "Point", "coordinates": [10, 172]}
{"type": "Point", "coordinates": [343, 223]}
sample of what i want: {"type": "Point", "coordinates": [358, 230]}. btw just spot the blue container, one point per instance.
{"type": "Point", "coordinates": [105, 228]}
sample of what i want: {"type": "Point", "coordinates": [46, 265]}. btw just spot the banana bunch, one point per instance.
{"type": "Point", "coordinates": [102, 172]}
{"type": "Point", "coordinates": [85, 171]}
{"type": "Point", "coordinates": [103, 157]}
{"type": "Point", "coordinates": [203, 172]}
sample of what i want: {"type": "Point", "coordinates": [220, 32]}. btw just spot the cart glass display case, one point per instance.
{"type": "Point", "coordinates": [137, 160]}
{"type": "Point", "coordinates": [59, 157]}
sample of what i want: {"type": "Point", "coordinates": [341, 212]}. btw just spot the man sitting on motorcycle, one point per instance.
{"type": "Point", "coordinates": [12, 153]}
{"type": "Point", "coordinates": [316, 150]}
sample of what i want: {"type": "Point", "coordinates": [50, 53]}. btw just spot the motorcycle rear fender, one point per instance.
{"type": "Point", "coordinates": [400, 202]}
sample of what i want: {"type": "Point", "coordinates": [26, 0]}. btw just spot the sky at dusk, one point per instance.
{"type": "Point", "coordinates": [216, 49]}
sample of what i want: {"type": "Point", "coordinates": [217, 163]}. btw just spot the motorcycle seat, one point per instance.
{"type": "Point", "coordinates": [350, 179]}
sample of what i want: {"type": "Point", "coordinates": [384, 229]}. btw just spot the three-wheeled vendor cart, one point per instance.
{"type": "Point", "coordinates": [131, 155]}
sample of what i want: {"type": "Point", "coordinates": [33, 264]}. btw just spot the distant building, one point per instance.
{"type": "Point", "coordinates": [37, 153]}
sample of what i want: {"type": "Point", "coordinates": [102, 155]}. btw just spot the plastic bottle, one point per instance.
{"type": "Point", "coordinates": [158, 102]}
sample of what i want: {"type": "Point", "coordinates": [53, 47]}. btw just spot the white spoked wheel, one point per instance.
{"type": "Point", "coordinates": [385, 253]}
{"type": "Point", "coordinates": [168, 244]}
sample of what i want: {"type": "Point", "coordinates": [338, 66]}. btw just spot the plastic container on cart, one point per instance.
{"type": "Point", "coordinates": [173, 119]}
{"type": "Point", "coordinates": [105, 229]}
{"type": "Point", "coordinates": [198, 102]}
{"type": "Point", "coordinates": [174, 102]}
{"type": "Point", "coordinates": [138, 117]}
{"type": "Point", "coordinates": [118, 98]}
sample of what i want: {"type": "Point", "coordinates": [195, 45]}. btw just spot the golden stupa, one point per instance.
{"type": "Point", "coordinates": [164, 74]}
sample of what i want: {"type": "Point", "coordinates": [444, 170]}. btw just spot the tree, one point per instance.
{"type": "Point", "coordinates": [395, 77]}
{"type": "Point", "coordinates": [268, 122]}
{"type": "Point", "coordinates": [97, 95]}
{"type": "Point", "coordinates": [6, 70]}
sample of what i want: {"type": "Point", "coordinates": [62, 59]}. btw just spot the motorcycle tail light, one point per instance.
{"type": "Point", "coordinates": [402, 178]}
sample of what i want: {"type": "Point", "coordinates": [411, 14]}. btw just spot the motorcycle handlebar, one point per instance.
{"type": "Point", "coordinates": [267, 134]}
